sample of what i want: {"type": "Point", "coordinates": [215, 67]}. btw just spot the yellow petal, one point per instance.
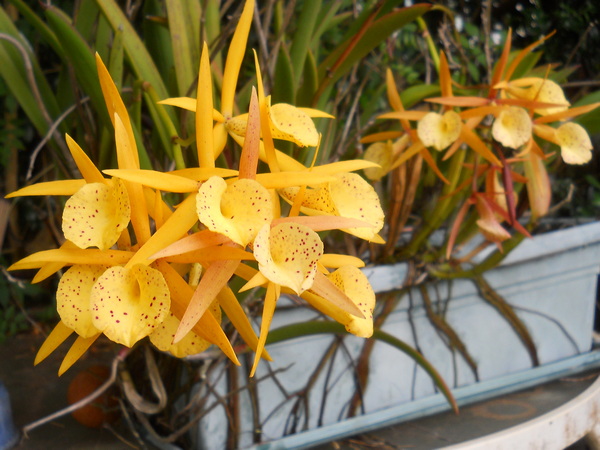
{"type": "Point", "coordinates": [59, 334]}
{"type": "Point", "coordinates": [439, 131]}
{"type": "Point", "coordinates": [73, 298]}
{"type": "Point", "coordinates": [355, 285]}
{"type": "Point", "coordinates": [334, 261]}
{"type": "Point", "coordinates": [214, 279]}
{"type": "Point", "coordinates": [59, 187]}
{"type": "Point", "coordinates": [273, 291]}
{"type": "Point", "coordinates": [539, 189]}
{"type": "Point", "coordinates": [488, 223]}
{"type": "Point", "coordinates": [354, 198]}
{"type": "Point", "coordinates": [235, 55]}
{"type": "Point", "coordinates": [84, 163]}
{"type": "Point", "coordinates": [203, 174]}
{"type": "Point", "coordinates": [278, 180]}
{"type": "Point", "coordinates": [168, 182]}
{"type": "Point", "coordinates": [127, 304]}
{"type": "Point", "coordinates": [512, 127]}
{"type": "Point", "coordinates": [191, 344]}
{"type": "Point", "coordinates": [237, 210]}
{"type": "Point", "coordinates": [287, 254]}
{"type": "Point", "coordinates": [70, 256]}
{"type": "Point", "coordinates": [79, 347]}
{"type": "Point", "coordinates": [96, 215]}
{"type": "Point", "coordinates": [176, 226]}
{"type": "Point", "coordinates": [541, 90]}
{"type": "Point", "coordinates": [204, 112]}
{"type": "Point", "coordinates": [575, 143]}
{"type": "Point", "coordinates": [292, 124]}
{"type": "Point", "coordinates": [380, 153]}
{"type": "Point", "coordinates": [207, 328]}
{"type": "Point", "coordinates": [116, 108]}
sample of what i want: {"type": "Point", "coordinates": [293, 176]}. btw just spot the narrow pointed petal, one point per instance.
{"type": "Point", "coordinates": [173, 229]}
{"type": "Point", "coordinates": [214, 279]}
{"type": "Point", "coordinates": [231, 305]}
{"type": "Point", "coordinates": [315, 113]}
{"type": "Point", "coordinates": [79, 347]}
{"type": "Point", "coordinates": [204, 112]}
{"type": "Point", "coordinates": [207, 327]}
{"type": "Point", "coordinates": [330, 292]}
{"type": "Point", "coordinates": [59, 334]}
{"type": "Point", "coordinates": [203, 174]}
{"type": "Point", "coordinates": [356, 286]}
{"type": "Point", "coordinates": [59, 187]}
{"type": "Point", "coordinates": [382, 136]}
{"type": "Point", "coordinates": [116, 107]}
{"type": "Point", "coordinates": [209, 254]}
{"type": "Point", "coordinates": [84, 163]}
{"type": "Point", "coordinates": [235, 56]}
{"type": "Point", "coordinates": [167, 182]}
{"type": "Point", "coordinates": [335, 261]}
{"type": "Point", "coordinates": [488, 223]}
{"type": "Point", "coordinates": [273, 291]}
{"type": "Point", "coordinates": [70, 256]}
{"type": "Point", "coordinates": [191, 344]}
{"type": "Point", "coordinates": [406, 115]}
{"type": "Point", "coordinates": [539, 189]}
{"type": "Point", "coordinates": [251, 148]}
{"type": "Point", "coordinates": [128, 304]}
{"type": "Point", "coordinates": [279, 180]}
{"type": "Point", "coordinates": [473, 141]}
{"type": "Point", "coordinates": [269, 154]}
{"type": "Point", "coordinates": [257, 280]}
{"type": "Point", "coordinates": [445, 78]}
{"type": "Point", "coordinates": [343, 167]}
{"type": "Point", "coordinates": [567, 114]}
{"type": "Point", "coordinates": [73, 298]}
{"type": "Point", "coordinates": [287, 254]}
{"type": "Point", "coordinates": [323, 223]}
{"type": "Point", "coordinates": [96, 214]}
{"type": "Point", "coordinates": [196, 241]}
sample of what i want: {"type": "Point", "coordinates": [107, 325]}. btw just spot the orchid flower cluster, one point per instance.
{"type": "Point", "coordinates": [136, 267]}
{"type": "Point", "coordinates": [500, 127]}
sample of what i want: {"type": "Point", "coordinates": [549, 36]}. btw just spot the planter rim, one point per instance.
{"type": "Point", "coordinates": [387, 277]}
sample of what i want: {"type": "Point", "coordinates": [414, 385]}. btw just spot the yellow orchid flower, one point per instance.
{"type": "Point", "coordinates": [287, 255]}
{"type": "Point", "coordinates": [512, 127]}
{"type": "Point", "coordinates": [349, 196]}
{"type": "Point", "coordinates": [439, 131]}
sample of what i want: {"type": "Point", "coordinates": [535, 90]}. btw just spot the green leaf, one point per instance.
{"type": "Point", "coordinates": [81, 58]}
{"type": "Point", "coordinates": [302, 37]}
{"type": "Point", "coordinates": [139, 58]}
{"type": "Point", "coordinates": [13, 71]}
{"type": "Point", "coordinates": [284, 88]}
{"type": "Point", "coordinates": [322, 327]}
{"type": "Point", "coordinates": [184, 41]}
{"type": "Point", "coordinates": [415, 94]}
{"type": "Point", "coordinates": [341, 60]}
{"type": "Point", "coordinates": [310, 79]}
{"type": "Point", "coordinates": [591, 120]}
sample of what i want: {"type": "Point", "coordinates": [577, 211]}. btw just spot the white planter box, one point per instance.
{"type": "Point", "coordinates": [549, 280]}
